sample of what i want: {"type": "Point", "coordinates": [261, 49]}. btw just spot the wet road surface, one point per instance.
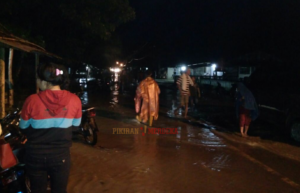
{"type": "Point", "coordinates": [197, 159]}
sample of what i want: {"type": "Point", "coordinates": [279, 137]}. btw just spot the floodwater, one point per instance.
{"type": "Point", "coordinates": [195, 159]}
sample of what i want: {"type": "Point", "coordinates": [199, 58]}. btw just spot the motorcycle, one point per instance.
{"type": "Point", "coordinates": [88, 127]}
{"type": "Point", "coordinates": [13, 179]}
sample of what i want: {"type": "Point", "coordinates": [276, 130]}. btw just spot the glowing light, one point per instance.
{"type": "Point", "coordinates": [183, 68]}
{"type": "Point", "coordinates": [117, 62]}
{"type": "Point", "coordinates": [117, 69]}
{"type": "Point", "coordinates": [214, 66]}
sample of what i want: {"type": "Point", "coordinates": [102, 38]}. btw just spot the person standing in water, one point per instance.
{"type": "Point", "coordinates": [183, 83]}
{"type": "Point", "coordinates": [247, 109]}
{"type": "Point", "coordinates": [149, 91]}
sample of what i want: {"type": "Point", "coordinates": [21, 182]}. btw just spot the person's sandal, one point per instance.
{"type": "Point", "coordinates": [138, 118]}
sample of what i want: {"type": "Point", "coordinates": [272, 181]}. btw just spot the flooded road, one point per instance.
{"type": "Point", "coordinates": [196, 159]}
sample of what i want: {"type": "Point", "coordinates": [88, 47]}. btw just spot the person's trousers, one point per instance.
{"type": "Point", "coordinates": [38, 167]}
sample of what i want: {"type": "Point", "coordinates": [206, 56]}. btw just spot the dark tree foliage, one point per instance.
{"type": "Point", "coordinates": [74, 29]}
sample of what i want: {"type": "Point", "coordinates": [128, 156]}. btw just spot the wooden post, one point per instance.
{"type": "Point", "coordinates": [2, 82]}
{"type": "Point", "coordinates": [37, 61]}
{"type": "Point", "coordinates": [10, 78]}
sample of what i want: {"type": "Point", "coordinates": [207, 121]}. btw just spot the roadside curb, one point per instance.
{"type": "Point", "coordinates": [282, 149]}
{"type": "Point", "coordinates": [278, 148]}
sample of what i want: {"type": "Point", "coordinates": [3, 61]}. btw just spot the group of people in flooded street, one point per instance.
{"type": "Point", "coordinates": [48, 117]}
{"type": "Point", "coordinates": [147, 100]}
{"type": "Point", "coordinates": [147, 96]}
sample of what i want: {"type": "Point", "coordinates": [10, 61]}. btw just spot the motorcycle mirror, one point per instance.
{"type": "Point", "coordinates": [11, 133]}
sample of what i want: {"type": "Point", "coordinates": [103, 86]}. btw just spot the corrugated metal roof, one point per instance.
{"type": "Point", "coordinates": [11, 41]}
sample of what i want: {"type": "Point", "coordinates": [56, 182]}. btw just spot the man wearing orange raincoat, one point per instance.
{"type": "Point", "coordinates": [149, 91]}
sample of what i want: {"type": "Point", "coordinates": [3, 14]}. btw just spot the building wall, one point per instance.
{"type": "Point", "coordinates": [226, 84]}
{"type": "Point", "coordinates": [245, 72]}
{"type": "Point", "coordinates": [199, 71]}
{"type": "Point", "coordinates": [170, 73]}
{"type": "Point", "coordinates": [205, 71]}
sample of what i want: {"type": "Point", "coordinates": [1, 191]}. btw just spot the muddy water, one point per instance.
{"type": "Point", "coordinates": [193, 160]}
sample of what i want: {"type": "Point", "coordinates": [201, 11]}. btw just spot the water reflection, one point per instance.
{"type": "Point", "coordinates": [114, 100]}
{"type": "Point", "coordinates": [178, 135]}
{"type": "Point", "coordinates": [218, 162]}
{"type": "Point", "coordinates": [83, 85]}
{"type": "Point", "coordinates": [157, 161]}
{"type": "Point", "coordinates": [214, 155]}
{"type": "Point", "coordinates": [115, 95]}
{"type": "Point", "coordinates": [115, 87]}
{"type": "Point", "coordinates": [84, 98]}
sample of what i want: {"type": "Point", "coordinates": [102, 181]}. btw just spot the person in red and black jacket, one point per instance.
{"type": "Point", "coordinates": [47, 120]}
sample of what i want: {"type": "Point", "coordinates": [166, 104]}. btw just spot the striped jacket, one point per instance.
{"type": "Point", "coordinates": [187, 82]}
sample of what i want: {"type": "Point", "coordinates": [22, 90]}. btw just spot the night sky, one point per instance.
{"type": "Point", "coordinates": [192, 31]}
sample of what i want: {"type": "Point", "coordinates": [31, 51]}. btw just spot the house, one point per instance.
{"type": "Point", "coordinates": [243, 66]}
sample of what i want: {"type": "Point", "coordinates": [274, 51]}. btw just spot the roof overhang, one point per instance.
{"type": "Point", "coordinates": [196, 65]}
{"type": "Point", "coordinates": [10, 41]}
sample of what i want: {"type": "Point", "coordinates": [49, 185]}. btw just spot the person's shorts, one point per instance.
{"type": "Point", "coordinates": [184, 100]}
{"type": "Point", "coordinates": [245, 119]}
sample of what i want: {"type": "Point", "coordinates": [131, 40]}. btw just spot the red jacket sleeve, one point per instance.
{"type": "Point", "coordinates": [77, 118]}
{"type": "Point", "coordinates": [26, 114]}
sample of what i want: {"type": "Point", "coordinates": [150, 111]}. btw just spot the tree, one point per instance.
{"type": "Point", "coordinates": [69, 28]}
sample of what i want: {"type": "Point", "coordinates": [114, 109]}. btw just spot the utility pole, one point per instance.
{"type": "Point", "coordinates": [2, 82]}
